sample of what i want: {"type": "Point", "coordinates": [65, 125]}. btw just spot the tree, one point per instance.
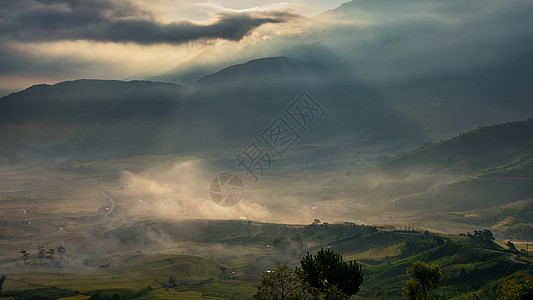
{"type": "Point", "coordinates": [41, 253]}
{"type": "Point", "coordinates": [484, 237]}
{"type": "Point", "coordinates": [517, 287]}
{"type": "Point", "coordinates": [2, 279]}
{"type": "Point", "coordinates": [50, 254]}
{"type": "Point", "coordinates": [61, 250]}
{"type": "Point", "coordinates": [280, 283]}
{"type": "Point", "coordinates": [329, 274]}
{"type": "Point", "coordinates": [423, 277]}
{"type": "Point", "coordinates": [511, 246]}
{"type": "Point", "coordinates": [25, 255]}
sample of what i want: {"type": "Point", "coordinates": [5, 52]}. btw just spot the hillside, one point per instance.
{"type": "Point", "coordinates": [500, 148]}
{"type": "Point", "coordinates": [272, 70]}
{"type": "Point", "coordinates": [94, 118]}
{"type": "Point", "coordinates": [227, 150]}
{"type": "Point", "coordinates": [102, 119]}
{"type": "Point", "coordinates": [236, 253]}
{"type": "Point", "coordinates": [481, 178]}
{"type": "Point", "coordinates": [466, 269]}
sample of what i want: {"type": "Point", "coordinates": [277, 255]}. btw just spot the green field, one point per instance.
{"type": "Point", "coordinates": [132, 224]}
{"type": "Point", "coordinates": [232, 255]}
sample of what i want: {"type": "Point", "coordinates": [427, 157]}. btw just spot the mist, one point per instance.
{"type": "Point", "coordinates": [185, 150]}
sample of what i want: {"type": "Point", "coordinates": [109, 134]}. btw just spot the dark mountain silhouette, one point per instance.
{"type": "Point", "coordinates": [265, 87]}
{"type": "Point", "coordinates": [103, 119]}
{"type": "Point", "coordinates": [86, 117]}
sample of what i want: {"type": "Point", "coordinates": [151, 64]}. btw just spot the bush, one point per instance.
{"type": "Point", "coordinates": [519, 286]}
{"type": "Point", "coordinates": [327, 272]}
{"type": "Point", "coordinates": [423, 277]}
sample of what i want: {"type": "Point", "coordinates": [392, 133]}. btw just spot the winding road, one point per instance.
{"type": "Point", "coordinates": [512, 256]}
{"type": "Point", "coordinates": [112, 204]}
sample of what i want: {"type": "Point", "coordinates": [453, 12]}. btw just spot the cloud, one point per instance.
{"type": "Point", "coordinates": [112, 21]}
{"type": "Point", "coordinates": [420, 38]}
{"type": "Point", "coordinates": [441, 53]}
{"type": "Point", "coordinates": [46, 41]}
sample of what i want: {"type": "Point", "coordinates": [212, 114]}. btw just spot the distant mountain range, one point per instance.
{"type": "Point", "coordinates": [486, 172]}
{"type": "Point", "coordinates": [85, 118]}
{"type": "Point", "coordinates": [103, 119]}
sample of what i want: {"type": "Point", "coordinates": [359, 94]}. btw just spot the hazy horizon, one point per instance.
{"type": "Point", "coordinates": [186, 149]}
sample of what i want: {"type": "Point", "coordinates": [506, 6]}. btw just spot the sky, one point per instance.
{"type": "Point", "coordinates": [48, 41]}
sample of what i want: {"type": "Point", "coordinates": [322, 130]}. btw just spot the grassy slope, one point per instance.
{"type": "Point", "coordinates": [242, 246]}
{"type": "Point", "coordinates": [129, 272]}
{"type": "Point", "coordinates": [484, 169]}
{"type": "Point", "coordinates": [480, 149]}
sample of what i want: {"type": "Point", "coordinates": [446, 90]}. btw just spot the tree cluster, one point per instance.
{"type": "Point", "coordinates": [484, 237]}
{"type": "Point", "coordinates": [326, 276]}
{"type": "Point", "coordinates": [43, 253]}
{"type": "Point", "coordinates": [321, 276]}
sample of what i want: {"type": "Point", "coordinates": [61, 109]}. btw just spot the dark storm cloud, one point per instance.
{"type": "Point", "coordinates": [109, 21]}
{"type": "Point", "coordinates": [470, 57]}
{"type": "Point", "coordinates": [416, 40]}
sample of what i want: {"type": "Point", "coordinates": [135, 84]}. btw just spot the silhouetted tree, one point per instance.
{"type": "Point", "coordinates": [329, 274]}
{"type": "Point", "coordinates": [61, 250]}
{"type": "Point", "coordinates": [25, 256]}
{"type": "Point", "coordinates": [2, 279]}
{"type": "Point", "coordinates": [41, 253]}
{"type": "Point", "coordinates": [423, 277]}
{"type": "Point", "coordinates": [50, 254]}
{"type": "Point", "coordinates": [484, 237]}
{"type": "Point", "coordinates": [281, 283]}
{"type": "Point", "coordinates": [511, 246]}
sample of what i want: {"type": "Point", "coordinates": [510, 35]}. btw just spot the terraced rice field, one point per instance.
{"type": "Point", "coordinates": [361, 244]}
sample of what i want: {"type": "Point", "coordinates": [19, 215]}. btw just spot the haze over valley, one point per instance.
{"type": "Point", "coordinates": [184, 150]}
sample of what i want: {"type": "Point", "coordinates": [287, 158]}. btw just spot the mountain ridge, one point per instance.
{"type": "Point", "coordinates": [266, 65]}
{"type": "Point", "coordinates": [101, 118]}
{"type": "Point", "coordinates": [481, 147]}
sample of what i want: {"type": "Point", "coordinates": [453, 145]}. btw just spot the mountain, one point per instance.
{"type": "Point", "coordinates": [486, 150]}
{"type": "Point", "coordinates": [197, 67]}
{"type": "Point", "coordinates": [86, 118]}
{"type": "Point", "coordinates": [4, 92]}
{"type": "Point", "coordinates": [487, 167]}
{"type": "Point", "coordinates": [265, 87]}
{"type": "Point", "coordinates": [267, 70]}
{"type": "Point", "coordinates": [104, 119]}
{"type": "Point", "coordinates": [483, 177]}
